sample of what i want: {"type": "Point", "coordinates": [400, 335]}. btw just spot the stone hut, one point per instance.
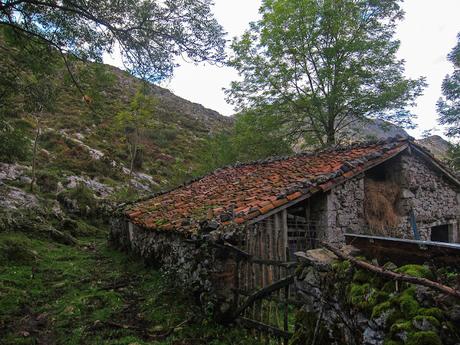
{"type": "Point", "coordinates": [270, 209]}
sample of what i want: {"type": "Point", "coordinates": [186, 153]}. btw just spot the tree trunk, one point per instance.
{"type": "Point", "coordinates": [133, 151]}
{"type": "Point", "coordinates": [34, 157]}
{"type": "Point", "coordinates": [131, 165]}
{"type": "Point", "coordinates": [330, 133]}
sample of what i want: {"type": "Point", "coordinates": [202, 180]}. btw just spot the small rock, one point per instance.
{"type": "Point", "coordinates": [455, 313]}
{"type": "Point", "coordinates": [317, 257]}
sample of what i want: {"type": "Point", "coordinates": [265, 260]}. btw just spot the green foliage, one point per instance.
{"type": "Point", "coordinates": [320, 65]}
{"type": "Point", "coordinates": [73, 295]}
{"type": "Point", "coordinates": [359, 295]}
{"type": "Point", "coordinates": [150, 35]}
{"type": "Point", "coordinates": [453, 157]}
{"type": "Point", "coordinates": [173, 136]}
{"type": "Point", "coordinates": [15, 249]}
{"type": "Point", "coordinates": [97, 82]}
{"type": "Point", "coordinates": [433, 311]}
{"type": "Point", "coordinates": [402, 326]}
{"type": "Point", "coordinates": [306, 329]}
{"type": "Point", "coordinates": [391, 342]}
{"type": "Point", "coordinates": [253, 137]}
{"type": "Point", "coordinates": [83, 196]}
{"type": "Point", "coordinates": [419, 271]}
{"type": "Point", "coordinates": [380, 308]}
{"type": "Point", "coordinates": [134, 121]}
{"type": "Point", "coordinates": [423, 338]}
{"type": "Point", "coordinates": [449, 105]}
{"type": "Point", "coordinates": [408, 304]}
{"type": "Point", "coordinates": [14, 144]}
{"type": "Point", "coordinates": [424, 319]}
{"type": "Point", "coordinates": [140, 112]}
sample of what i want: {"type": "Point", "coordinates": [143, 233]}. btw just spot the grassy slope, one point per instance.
{"type": "Point", "coordinates": [91, 294]}
{"type": "Point", "coordinates": [169, 148]}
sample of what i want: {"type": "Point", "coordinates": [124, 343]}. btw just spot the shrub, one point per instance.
{"type": "Point", "coordinates": [16, 249]}
{"type": "Point", "coordinates": [14, 144]}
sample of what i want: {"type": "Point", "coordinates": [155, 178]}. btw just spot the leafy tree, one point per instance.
{"type": "Point", "coordinates": [97, 81]}
{"type": "Point", "coordinates": [41, 96]}
{"type": "Point", "coordinates": [322, 65]}
{"type": "Point", "coordinates": [149, 33]}
{"type": "Point", "coordinates": [453, 157]}
{"type": "Point", "coordinates": [26, 84]}
{"type": "Point", "coordinates": [449, 105]}
{"type": "Point", "coordinates": [252, 137]}
{"type": "Point", "coordinates": [14, 144]}
{"type": "Point", "coordinates": [133, 122]}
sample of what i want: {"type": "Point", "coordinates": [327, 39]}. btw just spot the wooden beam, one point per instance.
{"type": "Point", "coordinates": [273, 298]}
{"type": "Point", "coordinates": [281, 208]}
{"type": "Point", "coordinates": [278, 333]}
{"type": "Point", "coordinates": [393, 275]}
{"type": "Point", "coordinates": [264, 292]}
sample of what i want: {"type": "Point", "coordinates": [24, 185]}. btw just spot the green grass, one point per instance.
{"type": "Point", "coordinates": [91, 294]}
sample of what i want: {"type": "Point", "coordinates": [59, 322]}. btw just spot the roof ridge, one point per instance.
{"type": "Point", "coordinates": [272, 159]}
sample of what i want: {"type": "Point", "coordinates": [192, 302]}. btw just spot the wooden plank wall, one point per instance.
{"type": "Point", "coordinates": [267, 242]}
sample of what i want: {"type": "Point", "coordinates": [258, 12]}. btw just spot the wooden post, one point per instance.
{"type": "Point", "coordinates": [237, 283]}
{"type": "Point", "coordinates": [286, 313]}
{"type": "Point", "coordinates": [285, 233]}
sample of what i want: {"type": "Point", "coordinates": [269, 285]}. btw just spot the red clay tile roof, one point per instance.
{"type": "Point", "coordinates": [237, 194]}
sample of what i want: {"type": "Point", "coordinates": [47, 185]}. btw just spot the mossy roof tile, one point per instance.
{"type": "Point", "coordinates": [249, 190]}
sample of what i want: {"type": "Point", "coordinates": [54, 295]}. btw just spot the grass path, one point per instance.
{"type": "Point", "coordinates": [89, 294]}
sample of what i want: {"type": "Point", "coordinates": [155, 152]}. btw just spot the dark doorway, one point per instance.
{"type": "Point", "coordinates": [440, 233]}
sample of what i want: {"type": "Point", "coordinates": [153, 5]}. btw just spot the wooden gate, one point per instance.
{"type": "Point", "coordinates": [265, 293]}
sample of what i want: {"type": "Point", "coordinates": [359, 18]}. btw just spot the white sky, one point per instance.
{"type": "Point", "coordinates": [427, 35]}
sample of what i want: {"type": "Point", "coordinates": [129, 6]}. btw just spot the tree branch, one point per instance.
{"type": "Point", "coordinates": [393, 275]}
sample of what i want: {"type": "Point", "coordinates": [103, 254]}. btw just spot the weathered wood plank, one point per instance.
{"type": "Point", "coordinates": [264, 292]}
{"type": "Point", "coordinates": [273, 298]}
{"type": "Point", "coordinates": [278, 333]}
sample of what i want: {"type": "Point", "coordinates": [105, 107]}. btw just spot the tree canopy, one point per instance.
{"type": "Point", "coordinates": [133, 121]}
{"type": "Point", "coordinates": [322, 65]}
{"type": "Point", "coordinates": [448, 106]}
{"type": "Point", "coordinates": [252, 137]}
{"type": "Point", "coordinates": [150, 34]}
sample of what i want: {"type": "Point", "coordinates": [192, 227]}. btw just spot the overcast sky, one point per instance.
{"type": "Point", "coordinates": [427, 35]}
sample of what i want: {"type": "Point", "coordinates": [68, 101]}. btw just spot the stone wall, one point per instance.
{"type": "Point", "coordinates": [346, 305]}
{"type": "Point", "coordinates": [434, 199]}
{"type": "Point", "coordinates": [196, 265]}
{"type": "Point", "coordinates": [345, 208]}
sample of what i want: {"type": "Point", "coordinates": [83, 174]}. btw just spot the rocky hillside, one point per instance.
{"type": "Point", "coordinates": [378, 129]}
{"type": "Point", "coordinates": [372, 129]}
{"type": "Point", "coordinates": [438, 146]}
{"type": "Point", "coordinates": [81, 144]}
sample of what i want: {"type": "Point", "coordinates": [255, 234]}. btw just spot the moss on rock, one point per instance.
{"type": "Point", "coordinates": [435, 312]}
{"type": "Point", "coordinates": [401, 326]}
{"type": "Point", "coordinates": [380, 308]}
{"type": "Point", "coordinates": [419, 271]}
{"type": "Point", "coordinates": [392, 342]}
{"type": "Point", "coordinates": [362, 276]}
{"type": "Point", "coordinates": [424, 323]}
{"type": "Point", "coordinates": [423, 338]}
{"type": "Point", "coordinates": [408, 304]}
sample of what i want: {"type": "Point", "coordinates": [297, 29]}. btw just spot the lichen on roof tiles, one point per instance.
{"type": "Point", "coordinates": [239, 193]}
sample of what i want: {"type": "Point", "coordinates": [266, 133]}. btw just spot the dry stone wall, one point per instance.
{"type": "Point", "coordinates": [195, 265]}
{"type": "Point", "coordinates": [434, 200]}
{"type": "Point", "coordinates": [343, 304]}
{"type": "Point", "coordinates": [345, 206]}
